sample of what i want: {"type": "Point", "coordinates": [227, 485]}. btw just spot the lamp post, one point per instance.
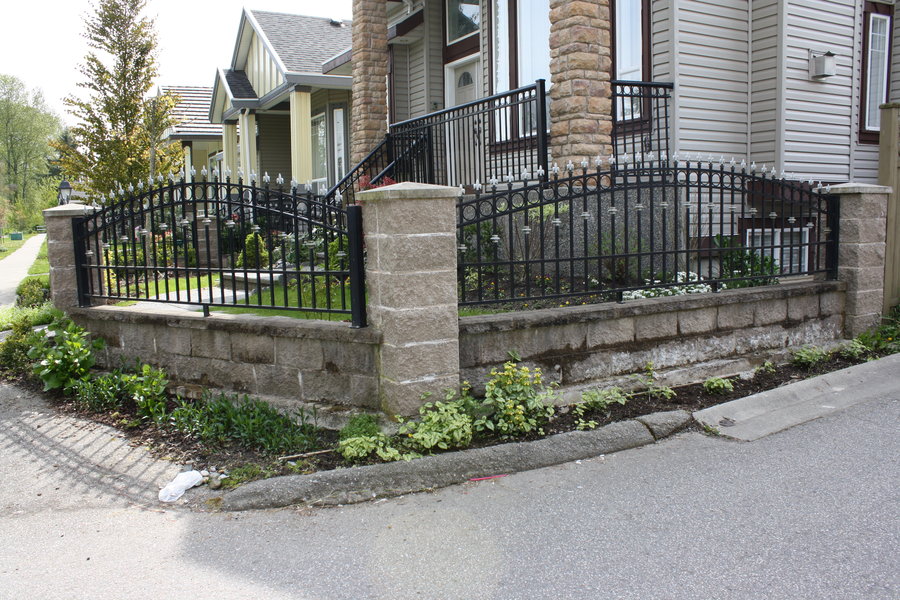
{"type": "Point", "coordinates": [65, 192]}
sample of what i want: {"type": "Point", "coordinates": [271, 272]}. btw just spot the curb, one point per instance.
{"type": "Point", "coordinates": [359, 484]}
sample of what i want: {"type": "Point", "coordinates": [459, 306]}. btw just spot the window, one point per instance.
{"type": "Point", "coordinates": [463, 19]}
{"type": "Point", "coordinates": [319, 150]}
{"type": "Point", "coordinates": [521, 44]}
{"type": "Point", "coordinates": [877, 28]}
{"type": "Point", "coordinates": [629, 34]}
{"type": "Point", "coordinates": [789, 247]}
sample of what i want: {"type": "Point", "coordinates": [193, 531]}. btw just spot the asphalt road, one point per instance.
{"type": "Point", "coordinates": [811, 512]}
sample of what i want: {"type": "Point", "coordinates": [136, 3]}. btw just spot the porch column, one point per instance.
{"type": "Point", "coordinates": [580, 69]}
{"type": "Point", "coordinates": [229, 149]}
{"type": "Point", "coordinates": [301, 135]}
{"type": "Point", "coordinates": [188, 160]}
{"type": "Point", "coordinates": [370, 69]}
{"type": "Point", "coordinates": [247, 121]}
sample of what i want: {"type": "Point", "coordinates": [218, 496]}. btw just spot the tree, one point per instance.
{"type": "Point", "coordinates": [119, 128]}
{"type": "Point", "coordinates": [26, 126]}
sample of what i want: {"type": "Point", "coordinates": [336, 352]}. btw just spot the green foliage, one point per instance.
{"type": "Point", "coordinates": [32, 316]}
{"type": "Point", "coordinates": [64, 354]}
{"type": "Point", "coordinates": [854, 350]}
{"type": "Point", "coordinates": [808, 357]}
{"type": "Point", "coordinates": [740, 263]}
{"type": "Point", "coordinates": [147, 389]}
{"type": "Point", "coordinates": [254, 255]}
{"type": "Point", "coordinates": [101, 394]}
{"type": "Point", "coordinates": [33, 291]}
{"type": "Point", "coordinates": [597, 401]}
{"type": "Point", "coordinates": [885, 337]}
{"type": "Point", "coordinates": [443, 425]}
{"type": "Point", "coordinates": [245, 473]}
{"type": "Point", "coordinates": [364, 425]}
{"type": "Point", "coordinates": [718, 385]}
{"type": "Point", "coordinates": [360, 448]}
{"type": "Point", "coordinates": [767, 367]}
{"type": "Point", "coordinates": [648, 386]}
{"type": "Point", "coordinates": [14, 349]}
{"type": "Point", "coordinates": [516, 402]}
{"type": "Point", "coordinates": [118, 136]}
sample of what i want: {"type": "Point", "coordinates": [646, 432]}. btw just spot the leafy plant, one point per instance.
{"type": "Point", "coordinates": [254, 255]}
{"type": "Point", "coordinates": [64, 354]}
{"type": "Point", "coordinates": [741, 264]}
{"type": "Point", "coordinates": [33, 291]}
{"type": "Point", "coordinates": [767, 367]}
{"type": "Point", "coordinates": [596, 401]}
{"type": "Point", "coordinates": [516, 401]}
{"type": "Point", "coordinates": [360, 448]}
{"type": "Point", "coordinates": [648, 386]}
{"type": "Point", "coordinates": [718, 385]}
{"type": "Point", "coordinates": [14, 349]}
{"type": "Point", "coordinates": [360, 425]}
{"type": "Point", "coordinates": [443, 425]}
{"type": "Point", "coordinates": [885, 337]}
{"type": "Point", "coordinates": [854, 350]}
{"type": "Point", "coordinates": [101, 394]}
{"type": "Point", "coordinates": [147, 389]}
{"type": "Point", "coordinates": [808, 357]}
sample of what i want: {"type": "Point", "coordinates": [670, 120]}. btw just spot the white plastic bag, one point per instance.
{"type": "Point", "coordinates": [177, 486]}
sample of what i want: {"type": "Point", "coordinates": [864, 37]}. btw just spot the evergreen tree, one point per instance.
{"type": "Point", "coordinates": [119, 128]}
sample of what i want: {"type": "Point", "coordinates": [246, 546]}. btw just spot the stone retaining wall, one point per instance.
{"type": "Point", "coordinates": [290, 361]}
{"type": "Point", "coordinates": [575, 345]}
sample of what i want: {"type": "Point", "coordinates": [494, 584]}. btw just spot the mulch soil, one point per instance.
{"type": "Point", "coordinates": [183, 449]}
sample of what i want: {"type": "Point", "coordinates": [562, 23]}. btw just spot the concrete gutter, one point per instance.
{"type": "Point", "coordinates": [358, 484]}
{"type": "Point", "coordinates": [762, 414]}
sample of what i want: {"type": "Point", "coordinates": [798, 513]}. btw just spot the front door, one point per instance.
{"type": "Point", "coordinates": [465, 135]}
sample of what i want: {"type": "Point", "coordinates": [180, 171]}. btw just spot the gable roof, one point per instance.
{"type": "Point", "coordinates": [303, 43]}
{"type": "Point", "coordinates": [191, 113]}
{"type": "Point", "coordinates": [239, 85]}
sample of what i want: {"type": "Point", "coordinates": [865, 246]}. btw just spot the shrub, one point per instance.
{"type": "Point", "coordinates": [362, 425]}
{"type": "Point", "coordinates": [360, 448]}
{"type": "Point", "coordinates": [885, 337]}
{"type": "Point", "coordinates": [740, 263]}
{"type": "Point", "coordinates": [718, 385]}
{"type": "Point", "coordinates": [147, 389]}
{"type": "Point", "coordinates": [254, 255]}
{"type": "Point", "coordinates": [443, 425]}
{"type": "Point", "coordinates": [516, 401]}
{"type": "Point", "coordinates": [101, 394]}
{"type": "Point", "coordinates": [64, 354]}
{"type": "Point", "coordinates": [596, 401]}
{"type": "Point", "coordinates": [33, 291]}
{"type": "Point", "coordinates": [36, 315]}
{"type": "Point", "coordinates": [854, 350]}
{"type": "Point", "coordinates": [808, 357]}
{"type": "Point", "coordinates": [14, 349]}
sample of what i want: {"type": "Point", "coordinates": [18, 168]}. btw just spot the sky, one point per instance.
{"type": "Point", "coordinates": [42, 43]}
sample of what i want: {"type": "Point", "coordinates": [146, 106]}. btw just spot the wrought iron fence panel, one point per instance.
{"type": "Point", "coordinates": [654, 227]}
{"type": "Point", "coordinates": [225, 244]}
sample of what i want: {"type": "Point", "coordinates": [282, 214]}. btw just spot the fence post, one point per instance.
{"type": "Point", "coordinates": [60, 223]}
{"type": "Point", "coordinates": [410, 233]}
{"type": "Point", "coordinates": [889, 175]}
{"type": "Point", "coordinates": [862, 223]}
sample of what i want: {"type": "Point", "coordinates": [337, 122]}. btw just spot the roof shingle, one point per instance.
{"type": "Point", "coordinates": [303, 43]}
{"type": "Point", "coordinates": [191, 113]}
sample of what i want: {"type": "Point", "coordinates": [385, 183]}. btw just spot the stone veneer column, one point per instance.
{"type": "Point", "coordinates": [861, 253]}
{"type": "Point", "coordinates": [370, 68]}
{"type": "Point", "coordinates": [580, 69]}
{"type": "Point", "coordinates": [410, 234]}
{"type": "Point", "coordinates": [61, 253]}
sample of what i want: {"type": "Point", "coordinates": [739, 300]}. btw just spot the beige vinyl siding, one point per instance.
{"type": "Point", "coordinates": [661, 40]}
{"type": "Point", "coordinates": [894, 93]}
{"type": "Point", "coordinates": [818, 114]}
{"type": "Point", "coordinates": [765, 57]}
{"type": "Point", "coordinates": [262, 71]}
{"type": "Point", "coordinates": [274, 145]}
{"type": "Point", "coordinates": [400, 81]}
{"type": "Point", "coordinates": [418, 96]}
{"type": "Point", "coordinates": [434, 69]}
{"type": "Point", "coordinates": [712, 91]}
{"type": "Point", "coordinates": [865, 156]}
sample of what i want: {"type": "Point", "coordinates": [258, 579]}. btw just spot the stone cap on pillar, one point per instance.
{"type": "Point", "coordinates": [859, 188]}
{"type": "Point", "coordinates": [418, 191]}
{"type": "Point", "coordinates": [69, 210]}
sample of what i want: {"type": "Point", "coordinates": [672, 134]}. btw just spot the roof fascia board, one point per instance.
{"type": "Point", "coordinates": [215, 114]}
{"type": "Point", "coordinates": [328, 82]}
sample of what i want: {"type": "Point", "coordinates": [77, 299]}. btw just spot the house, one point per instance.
{"type": "Point", "coordinates": [201, 140]}
{"type": "Point", "coordinates": [790, 83]}
{"type": "Point", "coordinates": [280, 90]}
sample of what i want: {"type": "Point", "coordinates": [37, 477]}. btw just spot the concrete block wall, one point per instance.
{"type": "Point", "coordinates": [284, 360]}
{"type": "Point", "coordinates": [575, 345]}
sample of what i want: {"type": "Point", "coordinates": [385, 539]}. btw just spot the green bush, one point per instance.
{"type": "Point", "coordinates": [740, 264]}
{"type": "Point", "coordinates": [885, 337]}
{"type": "Point", "coordinates": [14, 349]}
{"type": "Point", "coordinates": [596, 401]}
{"type": "Point", "coordinates": [101, 394]}
{"type": "Point", "coordinates": [147, 389]}
{"type": "Point", "coordinates": [516, 401]}
{"type": "Point", "coordinates": [63, 353]}
{"type": "Point", "coordinates": [808, 357]}
{"type": "Point", "coordinates": [648, 386]}
{"type": "Point", "coordinates": [718, 385]}
{"type": "Point", "coordinates": [254, 255]}
{"type": "Point", "coordinates": [37, 315]}
{"type": "Point", "coordinates": [33, 291]}
{"type": "Point", "coordinates": [360, 426]}
{"type": "Point", "coordinates": [443, 425]}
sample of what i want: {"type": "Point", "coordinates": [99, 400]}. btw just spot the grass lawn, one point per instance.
{"type": "Point", "coordinates": [181, 284]}
{"type": "Point", "coordinates": [8, 246]}
{"type": "Point", "coordinates": [275, 296]}
{"type": "Point", "coordinates": [40, 265]}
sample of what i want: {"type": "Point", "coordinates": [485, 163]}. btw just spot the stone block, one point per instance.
{"type": "Point", "coordinates": [760, 338]}
{"type": "Point", "coordinates": [211, 343]}
{"type": "Point", "coordinates": [770, 311]}
{"type": "Point", "coordinates": [322, 386]}
{"type": "Point", "coordinates": [856, 324]}
{"type": "Point", "coordinates": [419, 361]}
{"type": "Point", "coordinates": [801, 308]}
{"type": "Point", "coordinates": [610, 332]}
{"type": "Point", "coordinates": [277, 380]}
{"type": "Point", "coordinates": [364, 391]}
{"type": "Point", "coordinates": [404, 399]}
{"type": "Point", "coordinates": [413, 290]}
{"type": "Point", "coordinates": [61, 254]}
{"type": "Point", "coordinates": [692, 322]}
{"type": "Point", "coordinates": [864, 303]}
{"type": "Point", "coordinates": [861, 255]}
{"type": "Point", "coordinates": [300, 353]}
{"type": "Point", "coordinates": [862, 231]}
{"type": "Point", "coordinates": [831, 303]}
{"type": "Point", "coordinates": [862, 278]}
{"type": "Point", "coordinates": [863, 206]}
{"type": "Point", "coordinates": [173, 340]}
{"type": "Point", "coordinates": [417, 324]}
{"type": "Point", "coordinates": [253, 348]}
{"type": "Point", "coordinates": [413, 253]}
{"type": "Point", "coordinates": [432, 215]}
{"type": "Point", "coordinates": [656, 326]}
{"type": "Point", "coordinates": [139, 340]}
{"type": "Point", "coordinates": [735, 316]}
{"type": "Point", "coordinates": [347, 357]}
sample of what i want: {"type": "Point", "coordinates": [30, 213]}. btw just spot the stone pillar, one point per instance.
{"type": "Point", "coordinates": [368, 112]}
{"type": "Point", "coordinates": [248, 145]}
{"type": "Point", "coordinates": [861, 253]}
{"type": "Point", "coordinates": [301, 135]}
{"type": "Point", "coordinates": [229, 149]}
{"type": "Point", "coordinates": [61, 253]}
{"type": "Point", "coordinates": [410, 233]}
{"type": "Point", "coordinates": [580, 69]}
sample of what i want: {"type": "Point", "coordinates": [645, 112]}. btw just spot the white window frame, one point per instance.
{"type": "Point", "coordinates": [873, 89]}
{"type": "Point", "coordinates": [775, 250]}
{"type": "Point", "coordinates": [318, 182]}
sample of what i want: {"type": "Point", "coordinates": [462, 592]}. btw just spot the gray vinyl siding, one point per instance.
{"type": "Point", "coordinates": [661, 40]}
{"type": "Point", "coordinates": [418, 96]}
{"type": "Point", "coordinates": [865, 156]}
{"type": "Point", "coordinates": [894, 94]}
{"type": "Point", "coordinates": [400, 79]}
{"type": "Point", "coordinates": [765, 57]}
{"type": "Point", "coordinates": [434, 22]}
{"type": "Point", "coordinates": [712, 86]}
{"type": "Point", "coordinates": [274, 145]}
{"type": "Point", "coordinates": [818, 114]}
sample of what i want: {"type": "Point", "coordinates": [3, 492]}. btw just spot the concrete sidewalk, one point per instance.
{"type": "Point", "coordinates": [14, 268]}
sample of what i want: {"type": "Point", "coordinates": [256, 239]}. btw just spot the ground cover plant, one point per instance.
{"type": "Point", "coordinates": [253, 440]}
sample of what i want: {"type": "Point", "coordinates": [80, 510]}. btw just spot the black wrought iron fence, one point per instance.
{"type": "Point", "coordinates": [213, 243]}
{"type": "Point", "coordinates": [640, 229]}
{"type": "Point", "coordinates": [640, 119]}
